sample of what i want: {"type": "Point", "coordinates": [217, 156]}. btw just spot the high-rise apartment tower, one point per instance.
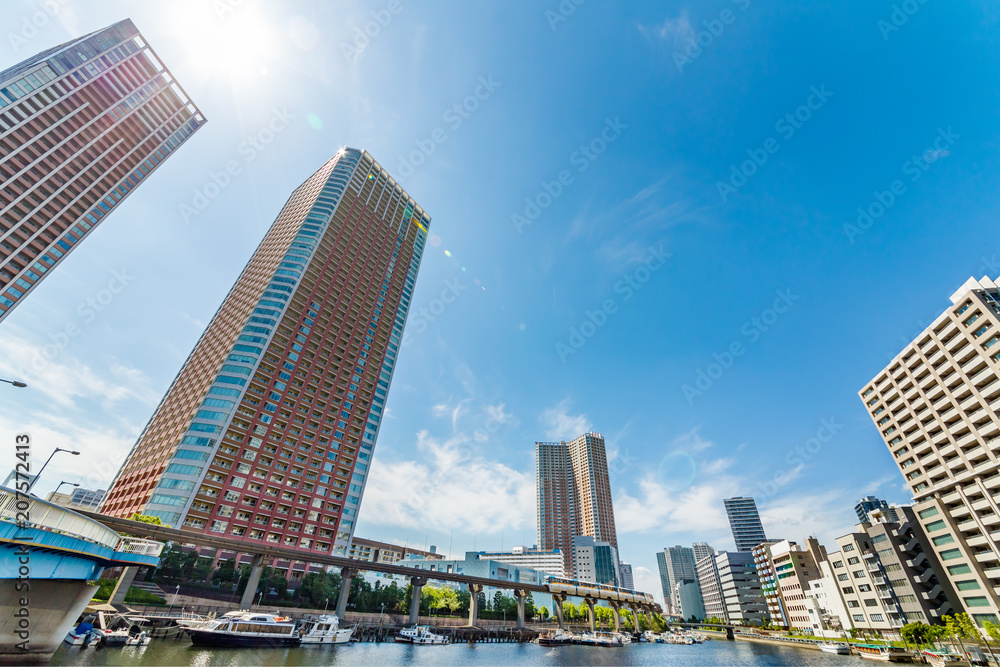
{"type": "Point", "coordinates": [744, 520]}
{"type": "Point", "coordinates": [81, 126]}
{"type": "Point", "coordinates": [574, 494]}
{"type": "Point", "coordinates": [267, 432]}
{"type": "Point", "coordinates": [935, 406]}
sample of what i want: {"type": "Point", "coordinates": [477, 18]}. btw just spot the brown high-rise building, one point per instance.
{"type": "Point", "coordinates": [81, 126]}
{"type": "Point", "coordinates": [574, 495]}
{"type": "Point", "coordinates": [267, 432]}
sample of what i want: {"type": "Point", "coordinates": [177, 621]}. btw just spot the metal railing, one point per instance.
{"type": "Point", "coordinates": [56, 519]}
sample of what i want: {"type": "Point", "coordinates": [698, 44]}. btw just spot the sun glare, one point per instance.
{"type": "Point", "coordinates": [236, 43]}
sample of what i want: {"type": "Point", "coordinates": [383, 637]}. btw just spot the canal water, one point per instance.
{"type": "Point", "coordinates": [712, 652]}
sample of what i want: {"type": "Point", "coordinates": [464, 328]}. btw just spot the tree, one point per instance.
{"type": "Point", "coordinates": [146, 518]}
{"type": "Point", "coordinates": [226, 572]}
{"type": "Point", "coordinates": [316, 589]}
{"type": "Point", "coordinates": [498, 601]}
{"type": "Point", "coordinates": [529, 606]}
{"type": "Point", "coordinates": [543, 613]}
{"type": "Point", "coordinates": [917, 633]}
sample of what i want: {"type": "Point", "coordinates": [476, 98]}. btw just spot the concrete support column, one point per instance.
{"type": "Point", "coordinates": [590, 612]}
{"type": "Point", "coordinates": [121, 588]}
{"type": "Point", "coordinates": [618, 619]}
{"type": "Point", "coordinates": [474, 591]}
{"type": "Point", "coordinates": [256, 570]}
{"type": "Point", "coordinates": [346, 577]}
{"type": "Point", "coordinates": [418, 587]}
{"type": "Point", "coordinates": [520, 595]}
{"type": "Point", "coordinates": [557, 600]}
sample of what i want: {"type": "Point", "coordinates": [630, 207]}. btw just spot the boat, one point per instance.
{"type": "Point", "coordinates": [835, 647]}
{"type": "Point", "coordinates": [420, 635]}
{"type": "Point", "coordinates": [941, 658]}
{"type": "Point", "coordinates": [624, 637]}
{"type": "Point", "coordinates": [555, 638]}
{"type": "Point", "coordinates": [140, 639]}
{"type": "Point", "coordinates": [883, 652]}
{"type": "Point", "coordinates": [191, 620]}
{"type": "Point", "coordinates": [246, 629]}
{"type": "Point", "coordinates": [111, 638]}
{"type": "Point", "coordinates": [324, 629]}
{"type": "Point", "coordinates": [81, 635]}
{"type": "Point", "coordinates": [608, 639]}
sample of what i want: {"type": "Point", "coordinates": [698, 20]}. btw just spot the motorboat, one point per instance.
{"type": "Point", "coordinates": [883, 652]}
{"type": "Point", "coordinates": [941, 658]}
{"type": "Point", "coordinates": [420, 635]}
{"type": "Point", "coordinates": [324, 629]}
{"type": "Point", "coordinates": [81, 635]}
{"type": "Point", "coordinates": [835, 647]}
{"type": "Point", "coordinates": [112, 638]}
{"type": "Point", "coordinates": [555, 638]}
{"type": "Point", "coordinates": [246, 629]}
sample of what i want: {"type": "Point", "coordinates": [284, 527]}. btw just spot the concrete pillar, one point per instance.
{"type": "Point", "coordinates": [474, 591]}
{"type": "Point", "coordinates": [418, 586]}
{"type": "Point", "coordinates": [590, 612]}
{"type": "Point", "coordinates": [618, 619]}
{"type": "Point", "coordinates": [256, 570]}
{"type": "Point", "coordinates": [346, 576]}
{"type": "Point", "coordinates": [520, 595]}
{"type": "Point", "coordinates": [121, 588]}
{"type": "Point", "coordinates": [558, 600]}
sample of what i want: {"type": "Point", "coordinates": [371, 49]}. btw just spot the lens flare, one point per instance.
{"type": "Point", "coordinates": [677, 471]}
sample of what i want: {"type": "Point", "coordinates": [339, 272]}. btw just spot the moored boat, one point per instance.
{"type": "Point", "coordinates": [835, 647]}
{"type": "Point", "coordinates": [941, 658]}
{"type": "Point", "coordinates": [883, 652]}
{"type": "Point", "coordinates": [81, 635]}
{"type": "Point", "coordinates": [420, 635]}
{"type": "Point", "coordinates": [324, 629]}
{"type": "Point", "coordinates": [246, 629]}
{"type": "Point", "coordinates": [555, 638]}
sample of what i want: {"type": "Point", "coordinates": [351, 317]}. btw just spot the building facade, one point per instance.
{"type": "Point", "coordinates": [935, 406]}
{"type": "Point", "coordinates": [710, 585]}
{"type": "Point", "coordinates": [373, 551]}
{"type": "Point", "coordinates": [701, 550]}
{"type": "Point", "coordinates": [595, 561]}
{"type": "Point", "coordinates": [869, 504]}
{"type": "Point", "coordinates": [549, 561]}
{"type": "Point", "coordinates": [689, 604]}
{"type": "Point", "coordinates": [573, 495]}
{"type": "Point", "coordinates": [677, 564]}
{"type": "Point", "coordinates": [741, 594]}
{"type": "Point", "coordinates": [745, 523]}
{"type": "Point", "coordinates": [267, 432]}
{"type": "Point", "coordinates": [768, 579]}
{"type": "Point", "coordinates": [794, 567]}
{"type": "Point", "coordinates": [81, 126]}
{"type": "Point", "coordinates": [627, 580]}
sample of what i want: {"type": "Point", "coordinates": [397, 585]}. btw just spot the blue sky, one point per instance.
{"type": "Point", "coordinates": [596, 248]}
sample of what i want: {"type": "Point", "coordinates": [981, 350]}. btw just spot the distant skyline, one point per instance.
{"type": "Point", "coordinates": [858, 172]}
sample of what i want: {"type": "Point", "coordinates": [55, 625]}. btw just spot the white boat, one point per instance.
{"type": "Point", "coordinates": [112, 638]}
{"type": "Point", "coordinates": [555, 638]}
{"type": "Point", "coordinates": [81, 635]}
{"type": "Point", "coordinates": [835, 647]}
{"type": "Point", "coordinates": [246, 629]}
{"type": "Point", "coordinates": [324, 629]}
{"type": "Point", "coordinates": [624, 637]}
{"type": "Point", "coordinates": [944, 659]}
{"type": "Point", "coordinates": [883, 652]}
{"type": "Point", "coordinates": [420, 635]}
{"type": "Point", "coordinates": [141, 639]}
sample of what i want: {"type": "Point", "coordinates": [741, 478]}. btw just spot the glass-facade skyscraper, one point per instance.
{"type": "Point", "coordinates": [745, 523]}
{"type": "Point", "coordinates": [81, 126]}
{"type": "Point", "coordinates": [267, 432]}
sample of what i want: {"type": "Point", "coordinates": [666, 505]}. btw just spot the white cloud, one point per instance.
{"type": "Point", "coordinates": [560, 425]}
{"type": "Point", "coordinates": [451, 486]}
{"type": "Point", "coordinates": [676, 31]}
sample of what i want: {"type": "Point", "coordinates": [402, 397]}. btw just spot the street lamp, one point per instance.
{"type": "Point", "coordinates": [39, 473]}
{"type": "Point", "coordinates": [16, 383]}
{"type": "Point", "coordinates": [60, 486]}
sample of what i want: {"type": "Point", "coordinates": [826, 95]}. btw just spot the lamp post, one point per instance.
{"type": "Point", "coordinates": [16, 383]}
{"type": "Point", "coordinates": [39, 473]}
{"type": "Point", "coordinates": [60, 486]}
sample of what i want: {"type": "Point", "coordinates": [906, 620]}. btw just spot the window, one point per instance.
{"type": "Point", "coordinates": [877, 618]}
{"type": "Point", "coordinates": [853, 560]}
{"type": "Point", "coordinates": [848, 590]}
{"type": "Point", "coordinates": [859, 574]}
{"type": "Point", "coordinates": [950, 554]}
{"type": "Point", "coordinates": [842, 576]}
{"type": "Point", "coordinates": [871, 602]}
{"type": "Point", "coordinates": [979, 601]}
{"type": "Point", "coordinates": [968, 585]}
{"type": "Point", "coordinates": [959, 569]}
{"type": "Point", "coordinates": [848, 547]}
{"type": "Point", "coordinates": [838, 563]}
{"type": "Point", "coordinates": [860, 618]}
{"type": "Point", "coordinates": [935, 525]}
{"type": "Point", "coordinates": [864, 588]}
{"type": "Point", "coordinates": [943, 539]}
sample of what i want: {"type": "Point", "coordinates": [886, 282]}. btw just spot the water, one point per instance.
{"type": "Point", "coordinates": [712, 652]}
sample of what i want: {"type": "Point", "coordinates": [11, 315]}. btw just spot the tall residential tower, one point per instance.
{"type": "Point", "coordinates": [574, 494]}
{"type": "Point", "coordinates": [935, 406]}
{"type": "Point", "coordinates": [81, 126]}
{"type": "Point", "coordinates": [744, 520]}
{"type": "Point", "coordinates": [267, 432]}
